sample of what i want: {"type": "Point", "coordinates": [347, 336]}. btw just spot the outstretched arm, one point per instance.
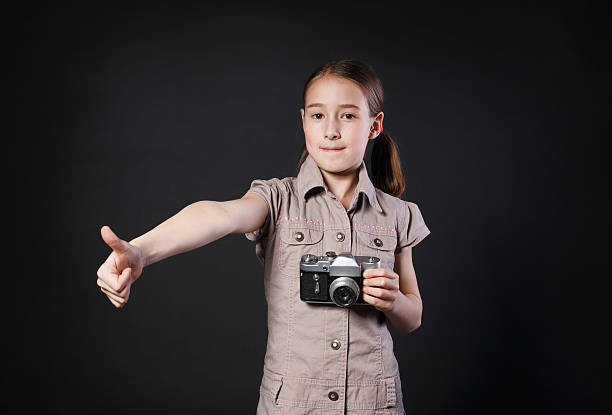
{"type": "Point", "coordinates": [194, 226]}
{"type": "Point", "coordinates": [199, 224]}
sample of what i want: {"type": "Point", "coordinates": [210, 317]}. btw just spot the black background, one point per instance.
{"type": "Point", "coordinates": [126, 114]}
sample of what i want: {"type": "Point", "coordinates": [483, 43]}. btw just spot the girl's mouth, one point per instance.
{"type": "Point", "coordinates": [333, 149]}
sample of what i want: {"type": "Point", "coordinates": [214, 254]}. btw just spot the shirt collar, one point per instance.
{"type": "Point", "coordinates": [310, 177]}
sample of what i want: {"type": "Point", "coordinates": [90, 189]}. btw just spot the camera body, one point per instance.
{"type": "Point", "coordinates": [334, 278]}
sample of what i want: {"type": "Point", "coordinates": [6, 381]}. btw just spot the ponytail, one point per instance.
{"type": "Point", "coordinates": [386, 166]}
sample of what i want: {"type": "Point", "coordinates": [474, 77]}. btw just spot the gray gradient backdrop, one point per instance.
{"type": "Point", "coordinates": [127, 114]}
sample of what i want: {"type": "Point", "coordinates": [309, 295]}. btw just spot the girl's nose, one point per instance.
{"type": "Point", "coordinates": [331, 132]}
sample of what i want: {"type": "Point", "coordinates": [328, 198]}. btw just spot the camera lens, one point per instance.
{"type": "Point", "coordinates": [344, 296]}
{"type": "Point", "coordinates": [344, 291]}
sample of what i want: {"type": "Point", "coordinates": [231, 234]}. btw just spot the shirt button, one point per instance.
{"type": "Point", "coordinates": [378, 242]}
{"type": "Point", "coordinates": [333, 395]}
{"type": "Point", "coordinates": [335, 344]}
{"type": "Point", "coordinates": [339, 237]}
{"type": "Point", "coordinates": [299, 236]}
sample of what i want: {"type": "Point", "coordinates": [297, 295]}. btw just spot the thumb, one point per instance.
{"type": "Point", "coordinates": [113, 240]}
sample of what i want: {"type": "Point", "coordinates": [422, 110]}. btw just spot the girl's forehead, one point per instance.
{"type": "Point", "coordinates": [332, 90]}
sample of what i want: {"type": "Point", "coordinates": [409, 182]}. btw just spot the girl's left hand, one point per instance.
{"type": "Point", "coordinates": [380, 287]}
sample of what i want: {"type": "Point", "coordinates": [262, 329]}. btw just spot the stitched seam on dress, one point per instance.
{"type": "Point", "coordinates": [298, 220]}
{"type": "Point", "coordinates": [331, 382]}
{"type": "Point", "coordinates": [325, 340]}
{"type": "Point", "coordinates": [345, 354]}
{"type": "Point", "coordinates": [266, 393]}
{"type": "Point", "coordinates": [358, 405]}
{"type": "Point", "coordinates": [401, 223]}
{"type": "Point", "coordinates": [319, 382]}
{"type": "Point", "coordinates": [391, 398]}
{"type": "Point", "coordinates": [382, 372]}
{"type": "Point", "coordinates": [367, 383]}
{"type": "Point", "coordinates": [325, 405]}
{"type": "Point", "coordinates": [373, 228]}
{"type": "Point", "coordinates": [272, 374]}
{"type": "Point", "coordinates": [310, 404]}
{"type": "Point", "coordinates": [289, 329]}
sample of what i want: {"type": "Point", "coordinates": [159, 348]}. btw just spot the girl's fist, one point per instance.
{"type": "Point", "coordinates": [122, 267]}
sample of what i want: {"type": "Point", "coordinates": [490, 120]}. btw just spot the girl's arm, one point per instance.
{"type": "Point", "coordinates": [194, 226]}
{"type": "Point", "coordinates": [199, 224]}
{"type": "Point", "coordinates": [405, 314]}
{"type": "Point", "coordinates": [395, 292]}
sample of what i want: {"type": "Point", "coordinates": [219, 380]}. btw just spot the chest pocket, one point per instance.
{"type": "Point", "coordinates": [378, 245]}
{"type": "Point", "coordinates": [295, 242]}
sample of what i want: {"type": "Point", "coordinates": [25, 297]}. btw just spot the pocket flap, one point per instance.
{"type": "Point", "coordinates": [271, 385]}
{"type": "Point", "coordinates": [301, 236]}
{"type": "Point", "coordinates": [380, 242]}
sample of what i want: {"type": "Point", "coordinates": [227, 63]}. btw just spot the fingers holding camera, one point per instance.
{"type": "Point", "coordinates": [380, 305]}
{"type": "Point", "coordinates": [381, 277]}
{"type": "Point", "coordinates": [380, 287]}
{"type": "Point", "coordinates": [381, 293]}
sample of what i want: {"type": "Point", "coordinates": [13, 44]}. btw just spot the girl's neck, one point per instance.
{"type": "Point", "coordinates": [342, 185]}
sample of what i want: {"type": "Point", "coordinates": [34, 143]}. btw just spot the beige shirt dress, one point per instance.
{"type": "Point", "coordinates": [320, 358]}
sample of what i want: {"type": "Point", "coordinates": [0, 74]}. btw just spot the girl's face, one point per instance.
{"type": "Point", "coordinates": [336, 116]}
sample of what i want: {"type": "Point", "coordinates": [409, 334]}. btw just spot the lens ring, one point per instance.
{"type": "Point", "coordinates": [344, 291]}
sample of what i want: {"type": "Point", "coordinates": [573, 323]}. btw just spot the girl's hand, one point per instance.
{"type": "Point", "coordinates": [380, 287]}
{"type": "Point", "coordinates": [122, 267]}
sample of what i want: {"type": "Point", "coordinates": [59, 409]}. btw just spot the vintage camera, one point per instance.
{"type": "Point", "coordinates": [334, 279]}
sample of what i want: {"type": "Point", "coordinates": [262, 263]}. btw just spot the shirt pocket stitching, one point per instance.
{"type": "Point", "coordinates": [292, 250]}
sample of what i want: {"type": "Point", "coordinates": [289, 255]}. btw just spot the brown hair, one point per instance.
{"type": "Point", "coordinates": [385, 162]}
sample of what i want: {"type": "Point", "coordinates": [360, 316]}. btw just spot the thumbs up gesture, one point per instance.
{"type": "Point", "coordinates": [122, 267]}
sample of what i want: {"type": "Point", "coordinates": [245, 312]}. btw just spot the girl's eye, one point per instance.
{"type": "Point", "coordinates": [316, 116]}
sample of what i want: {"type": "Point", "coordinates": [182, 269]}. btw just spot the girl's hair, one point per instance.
{"type": "Point", "coordinates": [385, 162]}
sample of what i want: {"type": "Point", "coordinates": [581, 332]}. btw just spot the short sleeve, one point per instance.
{"type": "Point", "coordinates": [270, 191]}
{"type": "Point", "coordinates": [411, 227]}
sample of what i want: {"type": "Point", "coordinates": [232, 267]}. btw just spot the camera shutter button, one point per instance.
{"type": "Point", "coordinates": [335, 344]}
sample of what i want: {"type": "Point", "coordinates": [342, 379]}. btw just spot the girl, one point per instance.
{"type": "Point", "coordinates": [320, 358]}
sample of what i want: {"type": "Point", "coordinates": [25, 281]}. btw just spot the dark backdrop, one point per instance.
{"type": "Point", "coordinates": [124, 115]}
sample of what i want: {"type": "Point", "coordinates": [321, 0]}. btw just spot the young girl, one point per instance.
{"type": "Point", "coordinates": [320, 358]}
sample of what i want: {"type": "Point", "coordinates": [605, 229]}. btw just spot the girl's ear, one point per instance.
{"type": "Point", "coordinates": [377, 125]}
